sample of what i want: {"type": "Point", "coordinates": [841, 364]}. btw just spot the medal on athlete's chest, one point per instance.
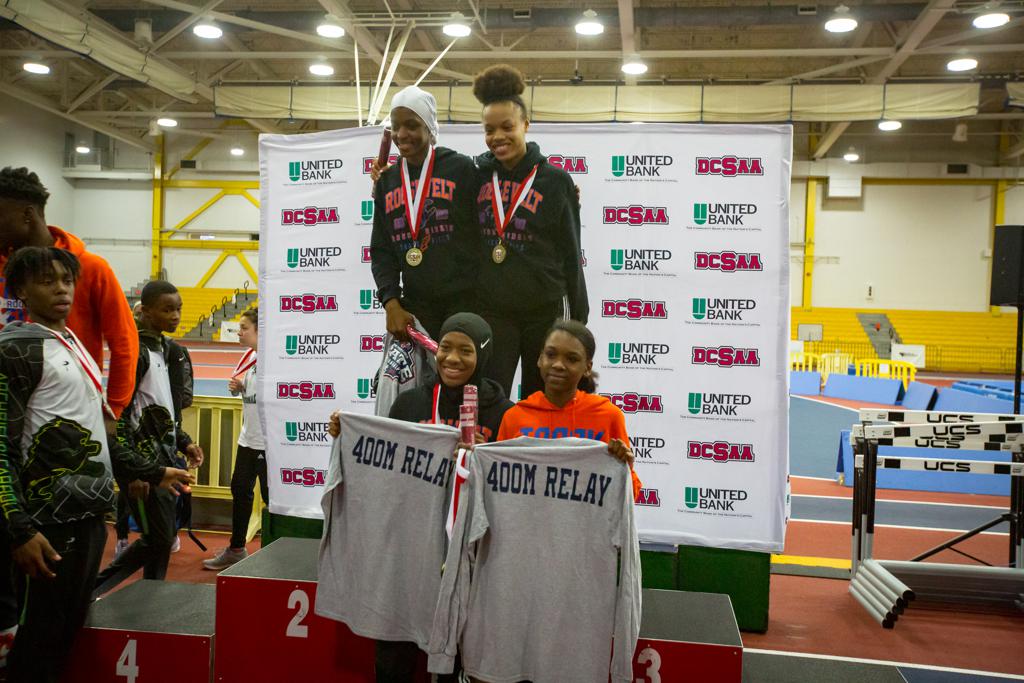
{"type": "Point", "coordinates": [414, 205]}
{"type": "Point", "coordinates": [502, 219]}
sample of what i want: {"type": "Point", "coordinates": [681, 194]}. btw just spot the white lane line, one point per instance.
{"type": "Point", "coordinates": [897, 526]}
{"type": "Point", "coordinates": [909, 502]}
{"type": "Point", "coordinates": [884, 662]}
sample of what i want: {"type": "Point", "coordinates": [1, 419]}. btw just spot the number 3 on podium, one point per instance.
{"type": "Point", "coordinates": [653, 660]}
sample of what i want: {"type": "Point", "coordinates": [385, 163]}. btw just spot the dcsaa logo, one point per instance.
{"type": "Point", "coordinates": [648, 498]}
{"type": "Point", "coordinates": [308, 303]}
{"type": "Point", "coordinates": [635, 215]}
{"type": "Point", "coordinates": [371, 343]}
{"type": "Point", "coordinates": [725, 356]}
{"type": "Point", "coordinates": [310, 216]}
{"type": "Point", "coordinates": [720, 451]}
{"type": "Point", "coordinates": [368, 162]}
{"type": "Point", "coordinates": [729, 166]}
{"type": "Point", "coordinates": [727, 261]}
{"type": "Point", "coordinates": [573, 165]}
{"type": "Point", "coordinates": [305, 391]}
{"type": "Point", "coordinates": [306, 476]}
{"type": "Point", "coordinates": [630, 402]}
{"type": "Point", "coordinates": [633, 309]}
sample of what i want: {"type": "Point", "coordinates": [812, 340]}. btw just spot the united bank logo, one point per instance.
{"type": "Point", "coordinates": [366, 209]}
{"type": "Point", "coordinates": [630, 402]}
{"type": "Point", "coordinates": [721, 502]}
{"type": "Point", "coordinates": [727, 261]}
{"type": "Point", "coordinates": [720, 451]}
{"type": "Point", "coordinates": [313, 169]}
{"type": "Point", "coordinates": [725, 356]}
{"type": "Point", "coordinates": [364, 388]}
{"type": "Point", "coordinates": [635, 215]}
{"type": "Point", "coordinates": [724, 216]}
{"type": "Point", "coordinates": [573, 165]}
{"type": "Point", "coordinates": [721, 310]}
{"type": "Point", "coordinates": [648, 449]}
{"type": "Point", "coordinates": [729, 166]}
{"type": "Point", "coordinates": [638, 355]}
{"type": "Point", "coordinates": [633, 309]}
{"type": "Point", "coordinates": [641, 166]}
{"type": "Point", "coordinates": [310, 216]}
{"type": "Point", "coordinates": [312, 345]}
{"type": "Point", "coordinates": [308, 303]}
{"type": "Point", "coordinates": [716, 405]}
{"type": "Point", "coordinates": [368, 300]}
{"type": "Point", "coordinates": [307, 432]}
{"type": "Point", "coordinates": [641, 261]}
{"type": "Point", "coordinates": [648, 498]}
{"type": "Point", "coordinates": [312, 258]}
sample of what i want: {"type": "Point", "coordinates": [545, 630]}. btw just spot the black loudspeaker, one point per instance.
{"type": "Point", "coordinates": [1008, 266]}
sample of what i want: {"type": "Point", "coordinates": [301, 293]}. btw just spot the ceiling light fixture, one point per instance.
{"type": "Point", "coordinates": [851, 155]}
{"type": "Point", "coordinates": [841, 21]}
{"type": "Point", "coordinates": [457, 27]}
{"type": "Point", "coordinates": [83, 149]}
{"type": "Point", "coordinates": [991, 19]}
{"type": "Point", "coordinates": [35, 68]}
{"type": "Point", "coordinates": [321, 69]}
{"type": "Point", "coordinates": [207, 30]}
{"type": "Point", "coordinates": [634, 66]}
{"type": "Point", "coordinates": [889, 125]}
{"type": "Point", "coordinates": [237, 151]}
{"type": "Point", "coordinates": [962, 64]}
{"type": "Point", "coordinates": [589, 25]}
{"type": "Point", "coordinates": [166, 122]}
{"type": "Point", "coordinates": [330, 28]}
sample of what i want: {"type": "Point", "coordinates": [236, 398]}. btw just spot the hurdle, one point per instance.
{"type": "Point", "coordinates": [885, 588]}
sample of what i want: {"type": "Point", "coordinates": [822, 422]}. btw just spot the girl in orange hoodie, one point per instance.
{"type": "Point", "coordinates": [568, 405]}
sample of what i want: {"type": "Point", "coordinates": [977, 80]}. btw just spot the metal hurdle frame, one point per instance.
{"type": "Point", "coordinates": [886, 588]}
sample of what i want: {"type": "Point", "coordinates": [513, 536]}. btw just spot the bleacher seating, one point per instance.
{"type": "Point", "coordinates": [957, 341]}
{"type": "Point", "coordinates": [196, 303]}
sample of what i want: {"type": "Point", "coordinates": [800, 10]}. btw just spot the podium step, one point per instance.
{"type": "Point", "coordinates": [129, 634]}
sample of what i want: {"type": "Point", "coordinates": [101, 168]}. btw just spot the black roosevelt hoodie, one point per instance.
{"type": "Point", "coordinates": [448, 234]}
{"type": "Point", "coordinates": [543, 239]}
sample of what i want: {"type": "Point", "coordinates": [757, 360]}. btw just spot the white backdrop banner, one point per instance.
{"type": "Point", "coordinates": [685, 241]}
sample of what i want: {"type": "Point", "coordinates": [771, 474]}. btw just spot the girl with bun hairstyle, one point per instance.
{"type": "Point", "coordinates": [530, 263]}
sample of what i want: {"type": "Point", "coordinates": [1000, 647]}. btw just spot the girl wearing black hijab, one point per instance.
{"type": "Point", "coordinates": [462, 354]}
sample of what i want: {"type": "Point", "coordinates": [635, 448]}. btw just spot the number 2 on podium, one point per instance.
{"type": "Point", "coordinates": [299, 601]}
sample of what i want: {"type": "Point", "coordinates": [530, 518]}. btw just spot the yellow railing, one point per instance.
{"type": "Point", "coordinates": [214, 423]}
{"type": "Point", "coordinates": [888, 369]}
{"type": "Point", "coordinates": [803, 361]}
{"type": "Point", "coordinates": [834, 364]}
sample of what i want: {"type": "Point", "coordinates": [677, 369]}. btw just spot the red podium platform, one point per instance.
{"type": "Point", "coordinates": [150, 631]}
{"type": "Point", "coordinates": [267, 629]}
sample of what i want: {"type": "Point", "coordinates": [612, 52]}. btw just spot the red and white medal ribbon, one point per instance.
{"type": "Point", "coordinates": [414, 207]}
{"type": "Point", "coordinates": [86, 363]}
{"type": "Point", "coordinates": [501, 220]}
{"type": "Point", "coordinates": [247, 360]}
{"type": "Point", "coordinates": [461, 474]}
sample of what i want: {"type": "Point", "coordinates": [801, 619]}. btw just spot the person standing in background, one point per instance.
{"type": "Point", "coordinates": [250, 457]}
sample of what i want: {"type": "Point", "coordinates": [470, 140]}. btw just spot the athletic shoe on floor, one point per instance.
{"type": "Point", "coordinates": [177, 545]}
{"type": "Point", "coordinates": [122, 545]}
{"type": "Point", "coordinates": [225, 558]}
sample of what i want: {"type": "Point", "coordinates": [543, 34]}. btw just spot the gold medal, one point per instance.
{"type": "Point", "coordinates": [414, 257]}
{"type": "Point", "coordinates": [499, 253]}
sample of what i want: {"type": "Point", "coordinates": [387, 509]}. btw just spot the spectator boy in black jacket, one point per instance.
{"type": "Point", "coordinates": [151, 426]}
